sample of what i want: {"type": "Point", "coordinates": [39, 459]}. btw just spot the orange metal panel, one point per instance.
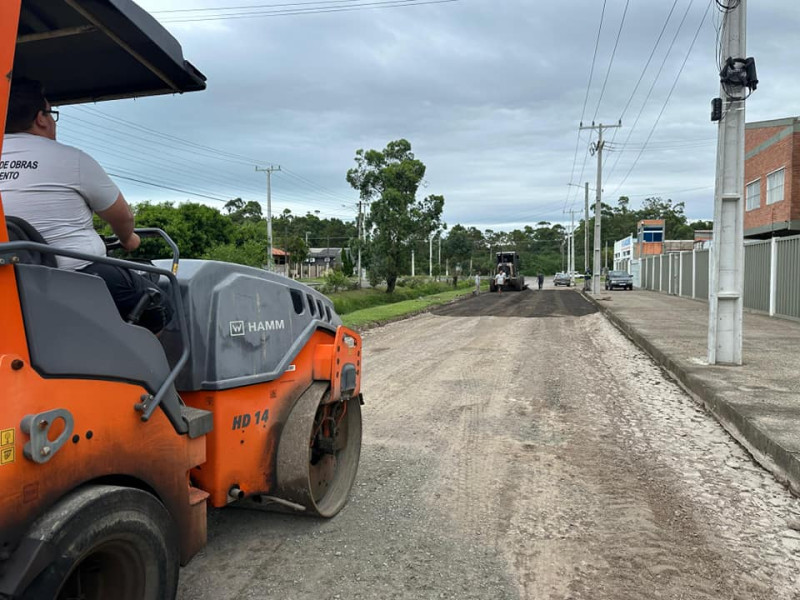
{"type": "Point", "coordinates": [9, 16]}
{"type": "Point", "coordinates": [12, 340]}
{"type": "Point", "coordinates": [248, 421]}
{"type": "Point", "coordinates": [108, 440]}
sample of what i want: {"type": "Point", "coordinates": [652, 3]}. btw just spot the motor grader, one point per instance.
{"type": "Point", "coordinates": [113, 442]}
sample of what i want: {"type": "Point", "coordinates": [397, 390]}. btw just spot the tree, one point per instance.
{"type": "Point", "coordinates": [195, 228]}
{"type": "Point", "coordinates": [458, 246]}
{"type": "Point", "coordinates": [240, 211]}
{"type": "Point", "coordinates": [347, 263]}
{"type": "Point", "coordinates": [389, 179]}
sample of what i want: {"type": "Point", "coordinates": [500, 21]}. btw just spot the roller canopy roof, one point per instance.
{"type": "Point", "coordinates": [90, 50]}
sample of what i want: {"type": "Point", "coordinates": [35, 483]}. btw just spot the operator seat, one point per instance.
{"type": "Point", "coordinates": [19, 230]}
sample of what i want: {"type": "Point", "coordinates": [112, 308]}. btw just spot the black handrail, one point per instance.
{"type": "Point", "coordinates": [8, 256]}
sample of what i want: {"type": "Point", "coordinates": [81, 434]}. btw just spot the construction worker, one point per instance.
{"type": "Point", "coordinates": [500, 279]}
{"type": "Point", "coordinates": [56, 188]}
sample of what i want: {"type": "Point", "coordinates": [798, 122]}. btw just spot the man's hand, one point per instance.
{"type": "Point", "coordinates": [132, 243]}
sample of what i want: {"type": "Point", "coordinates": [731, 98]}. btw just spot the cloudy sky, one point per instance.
{"type": "Point", "coordinates": [490, 93]}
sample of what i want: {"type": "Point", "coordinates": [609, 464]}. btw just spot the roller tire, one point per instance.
{"type": "Point", "coordinates": [109, 542]}
{"type": "Point", "coordinates": [321, 483]}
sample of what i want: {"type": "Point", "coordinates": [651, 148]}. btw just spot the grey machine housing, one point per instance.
{"type": "Point", "coordinates": [245, 325]}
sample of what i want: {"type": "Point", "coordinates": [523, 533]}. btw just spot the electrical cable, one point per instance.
{"type": "Point", "coordinates": [652, 85]}
{"type": "Point", "coordinates": [307, 11]}
{"type": "Point", "coordinates": [663, 108]}
{"type": "Point", "coordinates": [585, 102]}
{"type": "Point", "coordinates": [611, 61]}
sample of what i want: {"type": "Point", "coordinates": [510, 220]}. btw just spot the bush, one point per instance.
{"type": "Point", "coordinates": [334, 281]}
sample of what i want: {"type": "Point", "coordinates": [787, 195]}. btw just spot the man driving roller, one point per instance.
{"type": "Point", "coordinates": [56, 188]}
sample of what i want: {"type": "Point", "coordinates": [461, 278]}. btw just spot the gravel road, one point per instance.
{"type": "Point", "coordinates": [516, 445]}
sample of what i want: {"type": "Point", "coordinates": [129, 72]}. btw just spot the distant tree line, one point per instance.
{"type": "Point", "coordinates": [397, 222]}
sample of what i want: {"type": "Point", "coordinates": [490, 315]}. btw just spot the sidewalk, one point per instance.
{"type": "Point", "coordinates": [758, 403]}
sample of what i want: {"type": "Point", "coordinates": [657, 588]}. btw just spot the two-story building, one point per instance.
{"type": "Point", "coordinates": [772, 158]}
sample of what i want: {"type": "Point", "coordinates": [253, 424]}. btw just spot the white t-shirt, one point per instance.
{"type": "Point", "coordinates": [55, 188]}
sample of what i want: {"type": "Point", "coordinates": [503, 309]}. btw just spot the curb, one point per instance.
{"type": "Point", "coordinates": [783, 464]}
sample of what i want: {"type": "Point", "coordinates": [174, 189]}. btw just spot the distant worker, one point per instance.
{"type": "Point", "coordinates": [500, 279]}
{"type": "Point", "coordinates": [540, 279]}
{"type": "Point", "coordinates": [56, 188]}
{"type": "Point", "coordinates": [477, 283]}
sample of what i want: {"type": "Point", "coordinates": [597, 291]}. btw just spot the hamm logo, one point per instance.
{"type": "Point", "coordinates": [240, 327]}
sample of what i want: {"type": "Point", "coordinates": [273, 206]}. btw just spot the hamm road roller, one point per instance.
{"type": "Point", "coordinates": [113, 442]}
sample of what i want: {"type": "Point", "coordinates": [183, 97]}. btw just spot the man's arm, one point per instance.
{"type": "Point", "coordinates": [120, 217]}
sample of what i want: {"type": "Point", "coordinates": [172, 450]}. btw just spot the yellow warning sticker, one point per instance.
{"type": "Point", "coordinates": [6, 437]}
{"type": "Point", "coordinates": [6, 455]}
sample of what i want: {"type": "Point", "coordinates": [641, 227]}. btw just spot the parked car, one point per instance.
{"type": "Point", "coordinates": [562, 279]}
{"type": "Point", "coordinates": [619, 279]}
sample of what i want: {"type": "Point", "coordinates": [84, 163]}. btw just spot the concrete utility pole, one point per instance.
{"type": "Point", "coordinates": [412, 262]}
{"type": "Point", "coordinates": [571, 248]}
{"type": "Point", "coordinates": [269, 170]}
{"type": "Point", "coordinates": [727, 251]}
{"type": "Point", "coordinates": [586, 230]}
{"type": "Point", "coordinates": [430, 255]}
{"type": "Point", "coordinates": [360, 229]}
{"type": "Point", "coordinates": [597, 148]}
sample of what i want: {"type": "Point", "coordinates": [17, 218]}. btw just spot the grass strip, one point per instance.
{"type": "Point", "coordinates": [389, 312]}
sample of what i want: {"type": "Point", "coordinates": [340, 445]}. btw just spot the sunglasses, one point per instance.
{"type": "Point", "coordinates": [52, 113]}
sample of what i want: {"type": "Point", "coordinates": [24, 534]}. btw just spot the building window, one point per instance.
{"type": "Point", "coordinates": [775, 186]}
{"type": "Point", "coordinates": [754, 194]}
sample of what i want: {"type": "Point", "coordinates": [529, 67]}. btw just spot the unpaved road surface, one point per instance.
{"type": "Point", "coordinates": [518, 446]}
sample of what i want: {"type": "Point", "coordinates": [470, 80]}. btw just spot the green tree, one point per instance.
{"type": "Point", "coordinates": [347, 263]}
{"type": "Point", "coordinates": [195, 228]}
{"type": "Point", "coordinates": [458, 246]}
{"type": "Point", "coordinates": [389, 179]}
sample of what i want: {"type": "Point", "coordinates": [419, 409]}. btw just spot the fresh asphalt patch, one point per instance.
{"type": "Point", "coordinates": [527, 303]}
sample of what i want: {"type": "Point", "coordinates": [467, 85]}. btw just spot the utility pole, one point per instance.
{"type": "Point", "coordinates": [571, 250]}
{"type": "Point", "coordinates": [360, 221]}
{"type": "Point", "coordinates": [737, 80]}
{"type": "Point", "coordinates": [269, 170]}
{"type": "Point", "coordinates": [412, 262]}
{"type": "Point", "coordinates": [597, 148]}
{"type": "Point", "coordinates": [430, 255]}
{"type": "Point", "coordinates": [308, 264]}
{"type": "Point", "coordinates": [586, 229]}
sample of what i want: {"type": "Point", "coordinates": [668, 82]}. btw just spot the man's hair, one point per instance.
{"type": "Point", "coordinates": [26, 100]}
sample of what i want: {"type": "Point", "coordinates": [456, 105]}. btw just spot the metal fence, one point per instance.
{"type": "Point", "coordinates": [787, 278]}
{"type": "Point", "coordinates": [687, 264]}
{"type": "Point", "coordinates": [757, 274]}
{"type": "Point", "coordinates": [771, 275]}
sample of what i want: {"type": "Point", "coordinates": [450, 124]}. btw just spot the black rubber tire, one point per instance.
{"type": "Point", "coordinates": [111, 543]}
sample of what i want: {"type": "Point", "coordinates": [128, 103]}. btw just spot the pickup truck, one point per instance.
{"type": "Point", "coordinates": [619, 279]}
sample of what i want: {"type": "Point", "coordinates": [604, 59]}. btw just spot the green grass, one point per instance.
{"type": "Point", "coordinates": [396, 310]}
{"type": "Point", "coordinates": [354, 300]}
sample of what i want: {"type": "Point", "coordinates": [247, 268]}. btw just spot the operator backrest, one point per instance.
{"type": "Point", "coordinates": [19, 230]}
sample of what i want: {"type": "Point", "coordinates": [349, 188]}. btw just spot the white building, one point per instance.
{"type": "Point", "coordinates": [623, 253]}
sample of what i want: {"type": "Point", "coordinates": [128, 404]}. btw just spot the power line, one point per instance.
{"type": "Point", "coordinates": [211, 152]}
{"type": "Point", "coordinates": [585, 102]}
{"type": "Point", "coordinates": [653, 85]}
{"type": "Point", "coordinates": [611, 61]}
{"type": "Point", "coordinates": [641, 76]}
{"type": "Point", "coordinates": [307, 11]}
{"type": "Point", "coordinates": [250, 6]}
{"type": "Point", "coordinates": [672, 89]}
